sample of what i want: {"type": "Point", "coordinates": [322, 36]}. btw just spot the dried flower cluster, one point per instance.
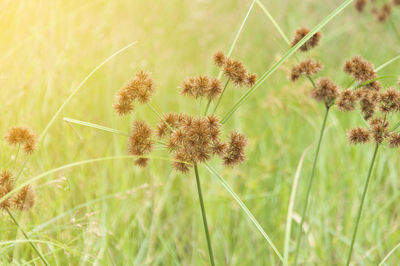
{"type": "Point", "coordinates": [310, 43]}
{"type": "Point", "coordinates": [235, 70]}
{"type": "Point", "coordinates": [139, 89]}
{"type": "Point", "coordinates": [23, 199]}
{"type": "Point", "coordinates": [201, 86]}
{"type": "Point", "coordinates": [381, 13]}
{"type": "Point", "coordinates": [24, 137]}
{"type": "Point", "coordinates": [306, 67]}
{"type": "Point", "coordinates": [325, 91]}
{"type": "Point", "coordinates": [190, 140]}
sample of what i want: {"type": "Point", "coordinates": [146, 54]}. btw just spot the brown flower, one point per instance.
{"type": "Point", "coordinates": [394, 140]}
{"type": "Point", "coordinates": [360, 5]}
{"type": "Point", "coordinates": [379, 128]}
{"type": "Point", "coordinates": [360, 69]}
{"type": "Point", "coordinates": [307, 67]}
{"type": "Point", "coordinates": [235, 152]}
{"type": "Point", "coordinates": [219, 59]}
{"type": "Point", "coordinates": [236, 72]}
{"type": "Point", "coordinates": [6, 185]}
{"type": "Point", "coordinates": [390, 100]}
{"type": "Point", "coordinates": [214, 89]}
{"type": "Point", "coordinates": [325, 91]}
{"type": "Point", "coordinates": [358, 135]}
{"type": "Point", "coordinates": [309, 44]}
{"type": "Point", "coordinates": [24, 198]}
{"type": "Point", "coordinates": [22, 136]}
{"type": "Point", "coordinates": [346, 100]}
{"type": "Point", "coordinates": [140, 140]}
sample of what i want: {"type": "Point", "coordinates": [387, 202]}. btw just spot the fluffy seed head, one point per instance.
{"type": "Point", "coordinates": [140, 140]}
{"type": "Point", "coordinates": [219, 59]}
{"type": "Point", "coordinates": [360, 5]}
{"type": "Point", "coordinates": [235, 152]}
{"type": "Point", "coordinates": [346, 101]}
{"type": "Point", "coordinates": [394, 140]}
{"type": "Point", "coordinates": [251, 80]}
{"type": "Point", "coordinates": [384, 13]}
{"type": "Point", "coordinates": [360, 69]}
{"type": "Point", "coordinates": [358, 135]}
{"type": "Point", "coordinates": [141, 162]}
{"type": "Point", "coordinates": [325, 91]}
{"type": "Point", "coordinates": [236, 71]}
{"type": "Point", "coordinates": [379, 129]}
{"type": "Point", "coordinates": [22, 136]}
{"type": "Point", "coordinates": [6, 185]}
{"type": "Point", "coordinates": [309, 44]}
{"type": "Point", "coordinates": [307, 67]}
{"type": "Point", "coordinates": [24, 198]}
{"type": "Point", "coordinates": [214, 89]}
{"type": "Point", "coordinates": [390, 100]}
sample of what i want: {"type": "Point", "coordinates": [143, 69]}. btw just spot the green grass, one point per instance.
{"type": "Point", "coordinates": [110, 212]}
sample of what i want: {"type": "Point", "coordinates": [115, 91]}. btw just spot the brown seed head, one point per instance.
{"type": "Point", "coordinates": [325, 91]}
{"type": "Point", "coordinates": [24, 199]}
{"type": "Point", "coordinates": [360, 69]}
{"type": "Point", "coordinates": [394, 140]}
{"type": "Point", "coordinates": [360, 5]}
{"type": "Point", "coordinates": [141, 162]}
{"type": "Point", "coordinates": [219, 59]}
{"type": "Point", "coordinates": [358, 135]}
{"type": "Point", "coordinates": [195, 86]}
{"type": "Point", "coordinates": [309, 44]}
{"type": "Point", "coordinates": [214, 89]}
{"type": "Point", "coordinates": [379, 129]}
{"type": "Point", "coordinates": [6, 185]}
{"type": "Point", "coordinates": [346, 101]}
{"type": "Point", "coordinates": [390, 100]}
{"type": "Point", "coordinates": [22, 136]}
{"type": "Point", "coordinates": [140, 141]}
{"type": "Point", "coordinates": [251, 80]}
{"type": "Point", "coordinates": [236, 71]}
{"type": "Point", "coordinates": [307, 67]}
{"type": "Point", "coordinates": [235, 152]}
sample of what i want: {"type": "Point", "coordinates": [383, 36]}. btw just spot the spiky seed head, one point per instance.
{"type": "Point", "coordinates": [24, 137]}
{"type": "Point", "coordinates": [390, 100]}
{"type": "Point", "coordinates": [214, 89]}
{"type": "Point", "coordinates": [358, 135]}
{"type": "Point", "coordinates": [235, 153]}
{"type": "Point", "coordinates": [236, 72]}
{"type": "Point", "coordinates": [251, 80]}
{"type": "Point", "coordinates": [181, 164]}
{"type": "Point", "coordinates": [384, 13]}
{"type": "Point", "coordinates": [310, 43]}
{"type": "Point", "coordinates": [24, 199]}
{"type": "Point", "coordinates": [360, 5]}
{"type": "Point", "coordinates": [195, 86]}
{"type": "Point", "coordinates": [140, 140]}
{"type": "Point", "coordinates": [325, 91]}
{"type": "Point", "coordinates": [346, 101]}
{"type": "Point", "coordinates": [219, 148]}
{"type": "Point", "coordinates": [379, 129]}
{"type": "Point", "coordinates": [6, 185]}
{"type": "Point", "coordinates": [394, 140]}
{"type": "Point", "coordinates": [141, 162]}
{"type": "Point", "coordinates": [360, 69]}
{"type": "Point", "coordinates": [219, 59]}
{"type": "Point", "coordinates": [306, 67]}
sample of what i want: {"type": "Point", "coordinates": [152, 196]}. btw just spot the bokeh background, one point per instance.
{"type": "Point", "coordinates": [113, 213]}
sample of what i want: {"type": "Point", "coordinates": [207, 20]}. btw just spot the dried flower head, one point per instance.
{"type": "Point", "coordinates": [24, 198]}
{"type": "Point", "coordinates": [309, 44]}
{"type": "Point", "coordinates": [384, 13]}
{"type": "Point", "coordinates": [368, 101]}
{"type": "Point", "coordinates": [219, 59]}
{"type": "Point", "coordinates": [346, 100]}
{"type": "Point", "coordinates": [140, 141]}
{"type": "Point", "coordinates": [24, 137]}
{"type": "Point", "coordinates": [251, 80]}
{"type": "Point", "coordinates": [325, 91]}
{"type": "Point", "coordinates": [360, 69]}
{"type": "Point", "coordinates": [140, 88]}
{"type": "Point", "coordinates": [6, 185]}
{"type": "Point", "coordinates": [236, 71]}
{"type": "Point", "coordinates": [214, 89]}
{"type": "Point", "coordinates": [390, 100]}
{"type": "Point", "coordinates": [360, 5]}
{"type": "Point", "coordinates": [306, 67]}
{"type": "Point", "coordinates": [379, 128]}
{"type": "Point", "coordinates": [358, 135]}
{"type": "Point", "coordinates": [394, 140]}
{"type": "Point", "coordinates": [235, 151]}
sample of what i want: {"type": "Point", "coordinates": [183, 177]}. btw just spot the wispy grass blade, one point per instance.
{"type": "Point", "coordinates": [387, 63]}
{"type": "Point", "coordinates": [245, 209]}
{"type": "Point", "coordinates": [75, 91]}
{"type": "Point", "coordinates": [96, 126]}
{"type": "Point", "coordinates": [389, 254]}
{"type": "Point", "coordinates": [291, 206]}
{"type": "Point", "coordinates": [71, 165]}
{"type": "Point", "coordinates": [289, 53]}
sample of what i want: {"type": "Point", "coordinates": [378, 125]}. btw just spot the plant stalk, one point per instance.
{"type": "Point", "coordinates": [203, 213]}
{"type": "Point", "coordinates": [220, 97]}
{"type": "Point", "coordinates": [361, 204]}
{"type": "Point", "coordinates": [310, 181]}
{"type": "Point", "coordinates": [27, 238]}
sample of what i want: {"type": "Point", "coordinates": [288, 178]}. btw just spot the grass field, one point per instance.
{"type": "Point", "coordinates": [109, 212]}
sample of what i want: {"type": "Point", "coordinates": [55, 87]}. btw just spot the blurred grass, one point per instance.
{"type": "Point", "coordinates": [118, 214]}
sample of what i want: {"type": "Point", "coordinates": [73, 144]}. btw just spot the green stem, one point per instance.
{"type": "Point", "coordinates": [310, 181]}
{"type": "Point", "coordinates": [203, 213]}
{"type": "Point", "coordinates": [361, 204]}
{"type": "Point", "coordinates": [220, 97]}
{"type": "Point", "coordinates": [27, 238]}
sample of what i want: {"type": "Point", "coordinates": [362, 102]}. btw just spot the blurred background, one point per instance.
{"type": "Point", "coordinates": [113, 213]}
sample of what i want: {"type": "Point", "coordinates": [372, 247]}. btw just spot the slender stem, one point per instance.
{"type": "Point", "coordinates": [203, 213]}
{"type": "Point", "coordinates": [27, 238]}
{"type": "Point", "coordinates": [220, 97]}
{"type": "Point", "coordinates": [361, 205]}
{"type": "Point", "coordinates": [310, 181]}
{"type": "Point", "coordinates": [159, 116]}
{"type": "Point", "coordinates": [207, 107]}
